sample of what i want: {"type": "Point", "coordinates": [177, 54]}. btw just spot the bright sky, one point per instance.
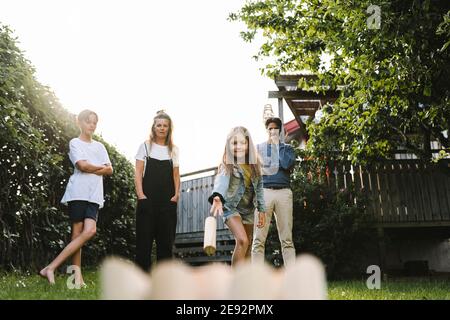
{"type": "Point", "coordinates": [127, 59]}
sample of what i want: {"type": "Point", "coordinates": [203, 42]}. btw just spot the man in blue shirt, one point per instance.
{"type": "Point", "coordinates": [278, 161]}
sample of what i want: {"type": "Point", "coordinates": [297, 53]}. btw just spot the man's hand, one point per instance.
{"type": "Point", "coordinates": [261, 219]}
{"type": "Point", "coordinates": [274, 136]}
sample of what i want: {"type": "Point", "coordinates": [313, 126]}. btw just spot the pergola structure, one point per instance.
{"type": "Point", "coordinates": [302, 103]}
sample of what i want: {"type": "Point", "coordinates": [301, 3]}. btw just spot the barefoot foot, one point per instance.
{"type": "Point", "coordinates": [49, 274]}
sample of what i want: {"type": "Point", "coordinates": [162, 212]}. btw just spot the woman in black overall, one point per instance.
{"type": "Point", "coordinates": [157, 181]}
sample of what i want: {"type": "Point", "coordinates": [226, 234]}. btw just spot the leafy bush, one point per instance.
{"type": "Point", "coordinates": [327, 223]}
{"type": "Point", "coordinates": [34, 169]}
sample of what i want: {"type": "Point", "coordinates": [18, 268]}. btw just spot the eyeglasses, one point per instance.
{"type": "Point", "coordinates": [270, 129]}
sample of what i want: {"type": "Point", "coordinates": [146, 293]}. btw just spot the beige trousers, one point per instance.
{"type": "Point", "coordinates": [279, 203]}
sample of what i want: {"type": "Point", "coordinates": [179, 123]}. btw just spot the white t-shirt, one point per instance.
{"type": "Point", "coordinates": [82, 185]}
{"type": "Point", "coordinates": [158, 152]}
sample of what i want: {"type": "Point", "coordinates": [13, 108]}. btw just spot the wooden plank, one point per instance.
{"type": "Point", "coordinates": [197, 238]}
{"type": "Point", "coordinates": [377, 193]}
{"type": "Point", "coordinates": [200, 249]}
{"type": "Point", "coordinates": [188, 202]}
{"type": "Point", "coordinates": [358, 181]}
{"type": "Point", "coordinates": [181, 209]}
{"type": "Point", "coordinates": [384, 191]}
{"type": "Point", "coordinates": [412, 204]}
{"type": "Point", "coordinates": [395, 191]}
{"type": "Point", "coordinates": [431, 193]}
{"type": "Point", "coordinates": [303, 95]}
{"type": "Point", "coordinates": [197, 221]}
{"type": "Point", "coordinates": [190, 221]}
{"type": "Point", "coordinates": [446, 189]}
{"type": "Point", "coordinates": [201, 205]}
{"type": "Point", "coordinates": [198, 172]}
{"type": "Point", "coordinates": [416, 172]}
{"type": "Point", "coordinates": [436, 202]}
{"type": "Point", "coordinates": [423, 192]}
{"type": "Point", "coordinates": [386, 202]}
{"type": "Point", "coordinates": [192, 209]}
{"type": "Point", "coordinates": [221, 234]}
{"type": "Point", "coordinates": [204, 198]}
{"type": "Point", "coordinates": [370, 189]}
{"type": "Point", "coordinates": [185, 207]}
{"type": "Point", "coordinates": [379, 202]}
{"type": "Point", "coordinates": [405, 192]}
{"type": "Point", "coordinates": [439, 182]}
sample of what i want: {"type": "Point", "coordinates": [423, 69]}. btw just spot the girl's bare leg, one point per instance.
{"type": "Point", "coordinates": [242, 244]}
{"type": "Point", "coordinates": [249, 231]}
{"type": "Point", "coordinates": [89, 230]}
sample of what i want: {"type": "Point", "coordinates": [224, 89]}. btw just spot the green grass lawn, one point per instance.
{"type": "Point", "coordinates": [394, 289]}
{"type": "Point", "coordinates": [26, 286]}
{"type": "Point", "coordinates": [33, 287]}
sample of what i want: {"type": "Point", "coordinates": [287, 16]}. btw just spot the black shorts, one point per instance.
{"type": "Point", "coordinates": [80, 210]}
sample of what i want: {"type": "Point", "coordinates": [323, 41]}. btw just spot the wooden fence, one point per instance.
{"type": "Point", "coordinates": [401, 192]}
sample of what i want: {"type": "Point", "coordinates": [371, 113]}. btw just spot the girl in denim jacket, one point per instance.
{"type": "Point", "coordinates": [238, 191]}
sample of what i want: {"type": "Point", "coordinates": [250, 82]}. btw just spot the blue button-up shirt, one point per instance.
{"type": "Point", "coordinates": [278, 160]}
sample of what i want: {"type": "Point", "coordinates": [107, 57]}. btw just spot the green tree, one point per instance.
{"type": "Point", "coordinates": [393, 77]}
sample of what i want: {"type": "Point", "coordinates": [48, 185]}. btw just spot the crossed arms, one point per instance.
{"type": "Point", "coordinates": [103, 170]}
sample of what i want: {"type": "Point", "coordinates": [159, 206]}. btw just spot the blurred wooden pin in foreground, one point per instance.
{"type": "Point", "coordinates": [303, 280]}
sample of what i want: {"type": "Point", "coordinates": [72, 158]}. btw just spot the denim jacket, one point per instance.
{"type": "Point", "coordinates": [231, 188]}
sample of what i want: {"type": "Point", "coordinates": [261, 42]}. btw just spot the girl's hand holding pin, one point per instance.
{"type": "Point", "coordinates": [216, 207]}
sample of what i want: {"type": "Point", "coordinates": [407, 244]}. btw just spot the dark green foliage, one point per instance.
{"type": "Point", "coordinates": [392, 78]}
{"type": "Point", "coordinates": [34, 169]}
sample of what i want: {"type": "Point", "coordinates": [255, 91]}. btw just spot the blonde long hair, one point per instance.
{"type": "Point", "coordinates": [251, 158]}
{"type": "Point", "coordinates": [152, 138]}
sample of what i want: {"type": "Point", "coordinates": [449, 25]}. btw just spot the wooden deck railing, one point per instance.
{"type": "Point", "coordinates": [401, 192]}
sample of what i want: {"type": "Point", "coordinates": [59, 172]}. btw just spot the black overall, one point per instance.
{"type": "Point", "coordinates": [156, 216]}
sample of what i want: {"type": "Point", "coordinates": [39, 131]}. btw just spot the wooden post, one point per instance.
{"type": "Point", "coordinates": [281, 116]}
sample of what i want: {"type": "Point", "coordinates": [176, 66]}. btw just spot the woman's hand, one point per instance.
{"type": "Point", "coordinates": [261, 219]}
{"type": "Point", "coordinates": [216, 207]}
{"type": "Point", "coordinates": [141, 197]}
{"type": "Point", "coordinates": [175, 198]}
